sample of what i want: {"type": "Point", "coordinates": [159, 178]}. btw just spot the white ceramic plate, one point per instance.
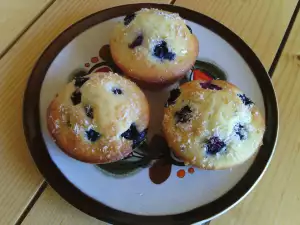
{"type": "Point", "coordinates": [135, 199]}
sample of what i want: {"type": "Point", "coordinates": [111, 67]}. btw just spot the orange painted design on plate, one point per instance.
{"type": "Point", "coordinates": [191, 170]}
{"type": "Point", "coordinates": [181, 173]}
{"type": "Point", "coordinates": [199, 75]}
{"type": "Point", "coordinates": [94, 59]}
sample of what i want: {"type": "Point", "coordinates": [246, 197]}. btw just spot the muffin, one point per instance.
{"type": "Point", "coordinates": [99, 118]}
{"type": "Point", "coordinates": [153, 47]}
{"type": "Point", "coordinates": [212, 124]}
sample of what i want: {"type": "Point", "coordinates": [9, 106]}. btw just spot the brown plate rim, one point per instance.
{"type": "Point", "coordinates": [78, 199]}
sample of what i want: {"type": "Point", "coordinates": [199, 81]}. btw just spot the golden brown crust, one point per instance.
{"type": "Point", "coordinates": [214, 113]}
{"type": "Point", "coordinates": [139, 62]}
{"type": "Point", "coordinates": [67, 123]}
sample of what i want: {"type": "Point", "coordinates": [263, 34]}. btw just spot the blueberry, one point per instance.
{"type": "Point", "coordinates": [170, 56]}
{"type": "Point", "coordinates": [76, 97]}
{"type": "Point", "coordinates": [117, 91]}
{"type": "Point", "coordinates": [89, 111]}
{"type": "Point", "coordinates": [129, 18]}
{"type": "Point", "coordinates": [174, 94]}
{"type": "Point", "coordinates": [190, 29]}
{"type": "Point", "coordinates": [92, 135]}
{"type": "Point", "coordinates": [209, 85]}
{"type": "Point", "coordinates": [245, 99]}
{"type": "Point", "coordinates": [241, 131]}
{"type": "Point", "coordinates": [137, 42]}
{"type": "Point", "coordinates": [79, 81]}
{"type": "Point", "coordinates": [214, 145]}
{"type": "Point", "coordinates": [130, 133]}
{"type": "Point", "coordinates": [141, 137]}
{"type": "Point", "coordinates": [161, 51]}
{"type": "Point", "coordinates": [184, 115]}
{"type": "Point", "coordinates": [133, 134]}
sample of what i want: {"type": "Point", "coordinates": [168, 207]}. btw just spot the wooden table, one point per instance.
{"type": "Point", "coordinates": [270, 27]}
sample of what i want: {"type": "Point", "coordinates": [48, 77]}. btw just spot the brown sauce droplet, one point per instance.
{"type": "Point", "coordinates": [191, 170]}
{"type": "Point", "coordinates": [160, 171]}
{"type": "Point", "coordinates": [181, 173]}
{"type": "Point", "coordinates": [105, 54]}
{"type": "Point", "coordinates": [87, 65]}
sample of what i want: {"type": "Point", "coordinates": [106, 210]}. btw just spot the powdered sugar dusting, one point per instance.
{"type": "Point", "coordinates": [167, 15]}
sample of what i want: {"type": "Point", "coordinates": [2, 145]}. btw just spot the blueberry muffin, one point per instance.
{"type": "Point", "coordinates": [212, 124]}
{"type": "Point", "coordinates": [99, 118]}
{"type": "Point", "coordinates": [153, 47]}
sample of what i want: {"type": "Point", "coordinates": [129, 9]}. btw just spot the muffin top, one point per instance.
{"type": "Point", "coordinates": [212, 124]}
{"type": "Point", "coordinates": [99, 118]}
{"type": "Point", "coordinates": [153, 45]}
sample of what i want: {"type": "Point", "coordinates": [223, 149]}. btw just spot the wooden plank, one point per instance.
{"type": "Point", "coordinates": [248, 19]}
{"type": "Point", "coordinates": [19, 177]}
{"type": "Point", "coordinates": [260, 23]}
{"type": "Point", "coordinates": [52, 209]}
{"type": "Point", "coordinates": [276, 199]}
{"type": "Point", "coordinates": [15, 16]}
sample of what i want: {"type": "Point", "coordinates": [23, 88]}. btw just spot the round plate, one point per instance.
{"type": "Point", "coordinates": [134, 199]}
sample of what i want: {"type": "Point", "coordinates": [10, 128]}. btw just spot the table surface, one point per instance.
{"type": "Point", "coordinates": [270, 27]}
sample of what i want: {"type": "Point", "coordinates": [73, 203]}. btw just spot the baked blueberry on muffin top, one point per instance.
{"type": "Point", "coordinates": [212, 124]}
{"type": "Point", "coordinates": [99, 118]}
{"type": "Point", "coordinates": [154, 46]}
